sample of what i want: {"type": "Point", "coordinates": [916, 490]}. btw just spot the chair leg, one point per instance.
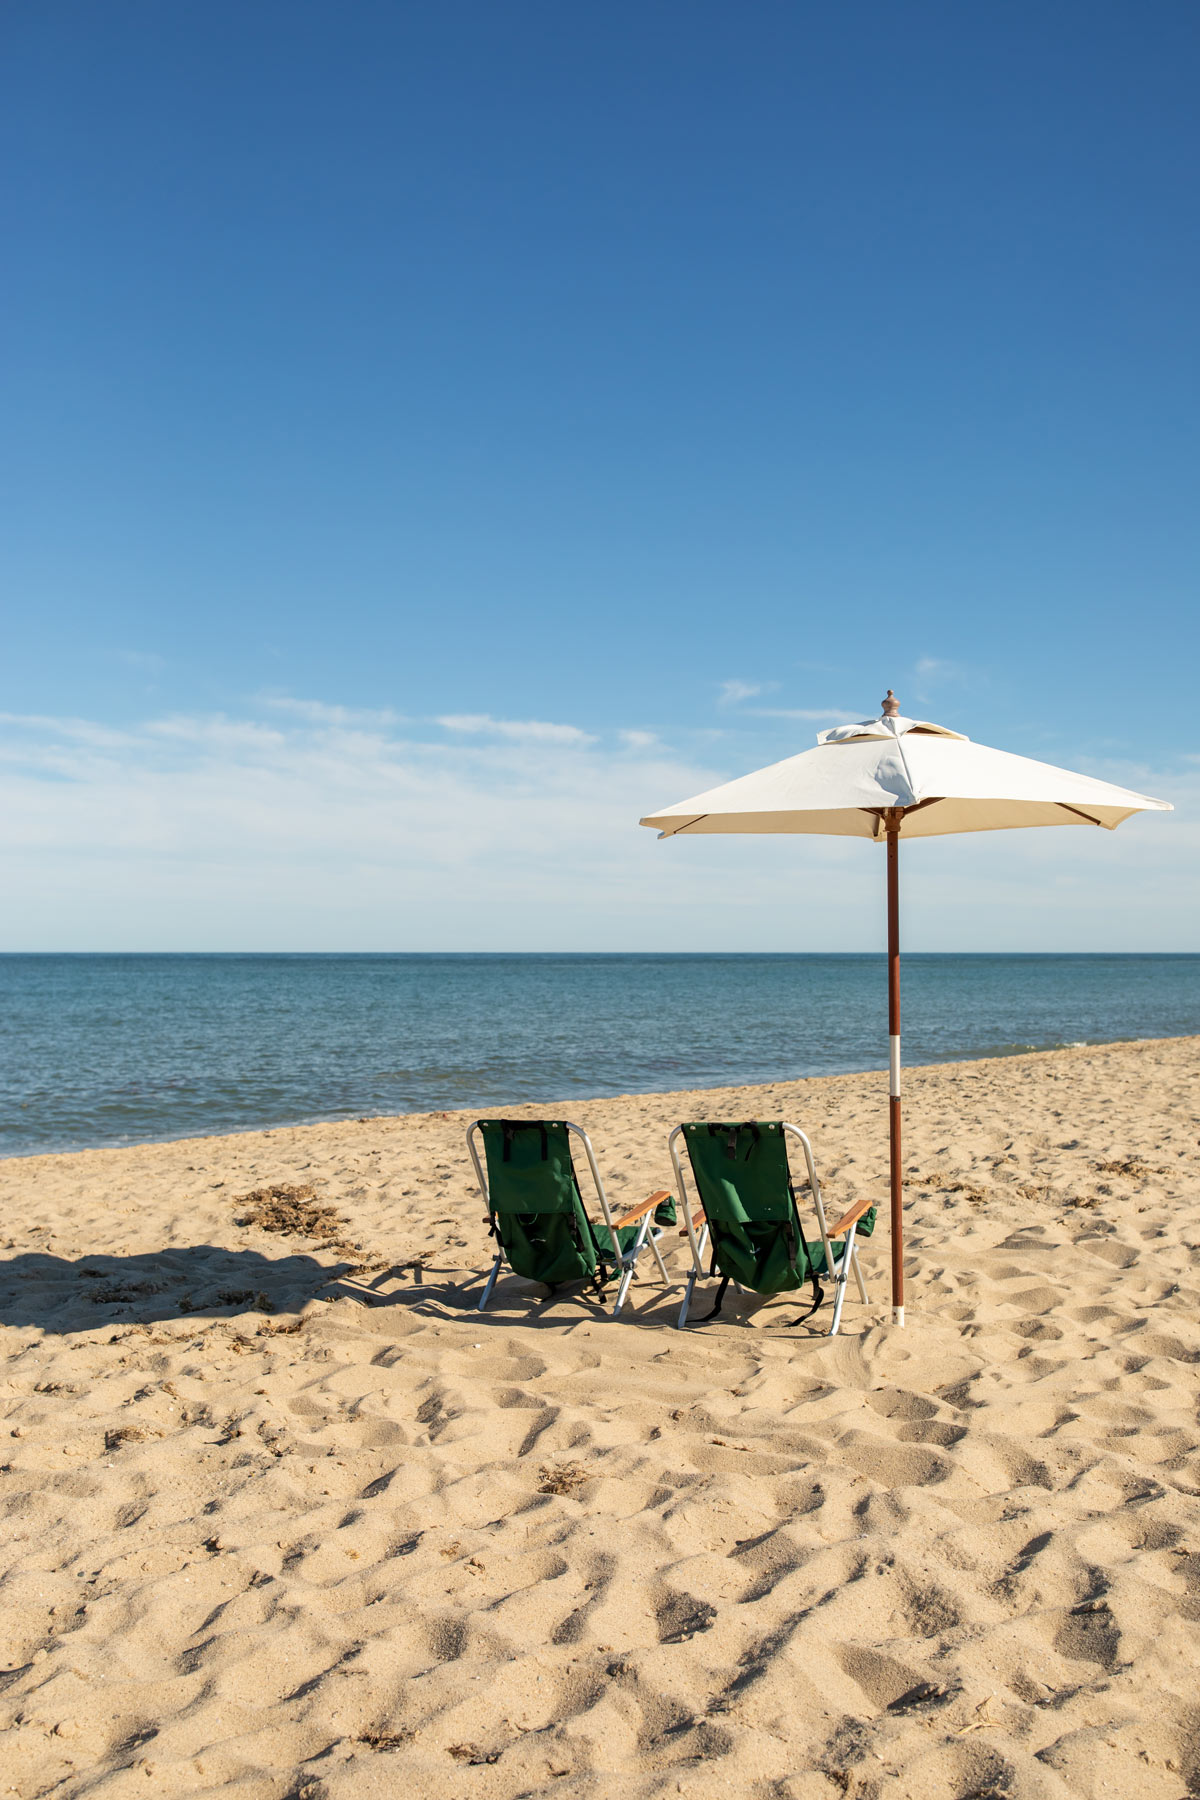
{"type": "Point", "coordinates": [623, 1287]}
{"type": "Point", "coordinates": [491, 1282]}
{"type": "Point", "coordinates": [645, 1236]}
{"type": "Point", "coordinates": [691, 1281]}
{"type": "Point", "coordinates": [841, 1279]}
{"type": "Point", "coordinates": [858, 1277]}
{"type": "Point", "coordinates": [662, 1267]}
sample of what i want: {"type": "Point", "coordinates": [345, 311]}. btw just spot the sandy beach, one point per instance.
{"type": "Point", "coordinates": [285, 1518]}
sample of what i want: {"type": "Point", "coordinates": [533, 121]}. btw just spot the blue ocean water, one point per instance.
{"type": "Point", "coordinates": [125, 1049]}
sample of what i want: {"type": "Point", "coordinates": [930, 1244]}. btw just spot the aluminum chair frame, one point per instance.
{"type": "Point", "coordinates": [643, 1215]}
{"type": "Point", "coordinates": [838, 1269]}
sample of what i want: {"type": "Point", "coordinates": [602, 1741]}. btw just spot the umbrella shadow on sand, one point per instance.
{"type": "Point", "coordinates": [59, 1294]}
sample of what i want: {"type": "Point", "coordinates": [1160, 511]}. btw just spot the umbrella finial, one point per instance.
{"type": "Point", "coordinates": [891, 706]}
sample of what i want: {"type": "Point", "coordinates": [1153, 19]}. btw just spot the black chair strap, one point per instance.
{"type": "Point", "coordinates": [818, 1301]}
{"type": "Point", "coordinates": [717, 1303]}
{"type": "Point", "coordinates": [731, 1134]}
{"type": "Point", "coordinates": [509, 1129]}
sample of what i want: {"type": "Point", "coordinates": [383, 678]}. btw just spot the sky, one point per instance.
{"type": "Point", "coordinates": [436, 435]}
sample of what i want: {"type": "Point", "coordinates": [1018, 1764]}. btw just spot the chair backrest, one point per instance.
{"type": "Point", "coordinates": [529, 1167]}
{"type": "Point", "coordinates": [533, 1197]}
{"type": "Point", "coordinates": [742, 1177]}
{"type": "Point", "coordinates": [741, 1171]}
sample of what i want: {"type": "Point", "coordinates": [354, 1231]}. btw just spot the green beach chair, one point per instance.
{"type": "Point", "coordinates": [749, 1216]}
{"type": "Point", "coordinates": [536, 1213]}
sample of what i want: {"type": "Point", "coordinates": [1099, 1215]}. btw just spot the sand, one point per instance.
{"type": "Point", "coordinates": [285, 1517]}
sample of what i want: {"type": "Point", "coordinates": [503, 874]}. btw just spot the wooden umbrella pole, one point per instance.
{"type": "Point", "coordinates": [897, 1175]}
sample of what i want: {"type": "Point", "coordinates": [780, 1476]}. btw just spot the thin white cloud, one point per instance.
{"type": "Point", "coordinates": [83, 731]}
{"type": "Point", "coordinates": [639, 740]}
{"type": "Point", "coordinates": [539, 731]}
{"type": "Point", "coordinates": [217, 730]}
{"type": "Point", "coordinates": [319, 712]}
{"type": "Point", "coordinates": [931, 669]}
{"type": "Point", "coordinates": [212, 832]}
{"type": "Point", "coordinates": [733, 692]}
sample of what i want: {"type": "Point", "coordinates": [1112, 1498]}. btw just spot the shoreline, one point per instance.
{"type": "Point", "coordinates": [801, 1083]}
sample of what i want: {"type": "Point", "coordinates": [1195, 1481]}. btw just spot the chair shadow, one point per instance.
{"type": "Point", "coordinates": [194, 1280]}
{"type": "Point", "coordinates": [516, 1300]}
{"type": "Point", "coordinates": [520, 1302]}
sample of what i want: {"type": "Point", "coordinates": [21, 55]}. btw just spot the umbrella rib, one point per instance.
{"type": "Point", "coordinates": [933, 800]}
{"type": "Point", "coordinates": [687, 827]}
{"type": "Point", "coordinates": [1086, 817]}
{"type": "Point", "coordinates": [901, 812]}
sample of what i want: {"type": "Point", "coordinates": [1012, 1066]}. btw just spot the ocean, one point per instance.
{"type": "Point", "coordinates": [116, 1049]}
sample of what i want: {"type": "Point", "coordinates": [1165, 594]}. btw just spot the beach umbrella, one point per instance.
{"type": "Point", "coordinates": [891, 778]}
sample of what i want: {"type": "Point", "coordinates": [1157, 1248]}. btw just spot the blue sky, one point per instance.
{"type": "Point", "coordinates": [637, 388]}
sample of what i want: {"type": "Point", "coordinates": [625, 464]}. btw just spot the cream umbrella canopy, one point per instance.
{"type": "Point", "coordinates": [889, 778]}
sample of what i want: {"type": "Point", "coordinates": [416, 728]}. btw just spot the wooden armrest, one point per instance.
{"type": "Point", "coordinates": [639, 1212]}
{"type": "Point", "coordinates": [851, 1218]}
{"type": "Point", "coordinates": [697, 1222]}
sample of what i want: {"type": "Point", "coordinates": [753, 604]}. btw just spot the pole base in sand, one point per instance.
{"type": "Point", "coordinates": [898, 1315]}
